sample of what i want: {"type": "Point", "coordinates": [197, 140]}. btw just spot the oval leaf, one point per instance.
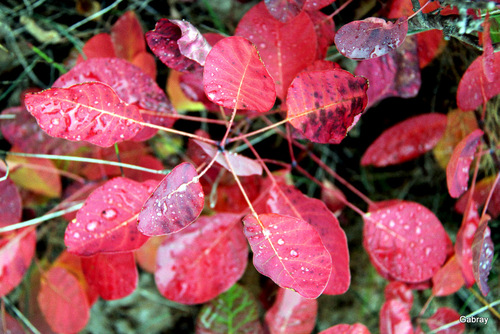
{"type": "Point", "coordinates": [322, 105]}
{"type": "Point", "coordinates": [463, 243]}
{"type": "Point", "coordinates": [175, 203]}
{"type": "Point", "coordinates": [448, 279]}
{"type": "Point", "coordinates": [457, 171]}
{"type": "Point", "coordinates": [482, 256]}
{"type": "Point", "coordinates": [203, 260]}
{"type": "Point", "coordinates": [11, 208]}
{"type": "Point", "coordinates": [395, 318]}
{"type": "Point", "coordinates": [405, 240]}
{"type": "Point", "coordinates": [128, 37]}
{"type": "Point", "coordinates": [235, 77]}
{"type": "Point", "coordinates": [370, 38]}
{"type": "Point", "coordinates": [290, 252]}
{"type": "Point", "coordinates": [107, 221]}
{"type": "Point", "coordinates": [405, 140]}
{"type": "Point", "coordinates": [284, 10]}
{"type": "Point", "coordinates": [91, 112]}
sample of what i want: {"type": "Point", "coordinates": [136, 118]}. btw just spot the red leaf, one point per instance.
{"type": "Point", "coordinates": [235, 77]}
{"type": "Point", "coordinates": [488, 52]}
{"type": "Point", "coordinates": [481, 191]}
{"type": "Point", "coordinates": [290, 252]}
{"type": "Point", "coordinates": [91, 112]}
{"type": "Point", "coordinates": [394, 74]}
{"type": "Point", "coordinates": [429, 45]}
{"type": "Point", "coordinates": [146, 255]}
{"type": "Point", "coordinates": [291, 314]}
{"type": "Point", "coordinates": [16, 251]}
{"type": "Point", "coordinates": [463, 243]}
{"type": "Point", "coordinates": [474, 88]}
{"type": "Point", "coordinates": [333, 197]}
{"type": "Point", "coordinates": [128, 37]}
{"type": "Point", "coordinates": [356, 328]}
{"type": "Point", "coordinates": [406, 240]}
{"type": "Point", "coordinates": [448, 279]}
{"type": "Point", "coordinates": [316, 4]}
{"type": "Point", "coordinates": [63, 301]}
{"type": "Point", "coordinates": [11, 208]}
{"type": "Point", "coordinates": [107, 221]}
{"type": "Point", "coordinates": [325, 32]}
{"type": "Point", "coordinates": [285, 48]}
{"type": "Point", "coordinates": [322, 65]}
{"type": "Point", "coordinates": [284, 10]}
{"type": "Point", "coordinates": [370, 38]}
{"type": "Point", "coordinates": [11, 325]}
{"type": "Point", "coordinates": [395, 318]}
{"type": "Point", "coordinates": [441, 317]}
{"type": "Point", "coordinates": [457, 171]}
{"type": "Point", "coordinates": [98, 46]}
{"type": "Point", "coordinates": [401, 292]}
{"type": "Point", "coordinates": [178, 44]}
{"type": "Point", "coordinates": [113, 276]}
{"type": "Point", "coordinates": [175, 203]}
{"type": "Point", "coordinates": [242, 165]}
{"type": "Point", "coordinates": [286, 200]}
{"type": "Point", "coordinates": [405, 140]}
{"type": "Point", "coordinates": [322, 105]}
{"type": "Point", "coordinates": [203, 260]}
{"type": "Point", "coordinates": [482, 256]}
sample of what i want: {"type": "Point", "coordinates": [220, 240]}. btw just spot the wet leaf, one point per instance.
{"type": "Point", "coordinates": [322, 105]}
{"type": "Point", "coordinates": [107, 221]}
{"type": "Point", "coordinates": [482, 256]}
{"type": "Point", "coordinates": [395, 318]}
{"type": "Point", "coordinates": [457, 171]}
{"type": "Point", "coordinates": [91, 112]}
{"type": "Point", "coordinates": [448, 279]}
{"type": "Point", "coordinates": [175, 203]}
{"type": "Point", "coordinates": [325, 32]}
{"type": "Point", "coordinates": [113, 276]}
{"type": "Point", "coordinates": [317, 4]}
{"type": "Point", "coordinates": [429, 44]}
{"type": "Point", "coordinates": [322, 65]}
{"type": "Point", "coordinates": [285, 48]}
{"type": "Point", "coordinates": [203, 260]}
{"type": "Point", "coordinates": [63, 302]}
{"type": "Point", "coordinates": [443, 316]}
{"type": "Point", "coordinates": [291, 314]}
{"type": "Point", "coordinates": [16, 252]}
{"type": "Point", "coordinates": [463, 243]}
{"type": "Point", "coordinates": [11, 208]}
{"type": "Point", "coordinates": [481, 192]}
{"type": "Point", "coordinates": [178, 44]}
{"type": "Point", "coordinates": [370, 38]}
{"type": "Point", "coordinates": [234, 311]}
{"type": "Point", "coordinates": [406, 240]}
{"type": "Point", "coordinates": [394, 74]}
{"type": "Point", "coordinates": [405, 140]}
{"type": "Point", "coordinates": [235, 77]}
{"type": "Point", "coordinates": [356, 328]}
{"type": "Point", "coordinates": [290, 252]}
{"type": "Point", "coordinates": [284, 10]}
{"type": "Point", "coordinates": [400, 291]}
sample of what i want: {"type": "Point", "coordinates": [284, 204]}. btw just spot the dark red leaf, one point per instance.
{"type": "Point", "coordinates": [91, 112]}
{"type": "Point", "coordinates": [370, 38]}
{"type": "Point", "coordinates": [488, 50]}
{"type": "Point", "coordinates": [291, 314]}
{"type": "Point", "coordinates": [203, 260]}
{"type": "Point", "coordinates": [113, 276]}
{"type": "Point", "coordinates": [482, 256]}
{"type": "Point", "coordinates": [98, 46]}
{"type": "Point", "coordinates": [401, 292]}
{"type": "Point", "coordinates": [63, 301]}
{"type": "Point", "coordinates": [394, 74]}
{"type": "Point", "coordinates": [443, 316]}
{"type": "Point", "coordinates": [406, 240]}
{"type": "Point", "coordinates": [481, 191]}
{"type": "Point", "coordinates": [107, 221]}
{"type": "Point", "coordinates": [285, 48]}
{"type": "Point", "coordinates": [178, 44]}
{"type": "Point", "coordinates": [11, 207]}
{"type": "Point", "coordinates": [448, 279]}
{"type": "Point", "coordinates": [405, 140]}
{"type": "Point", "coordinates": [395, 318]}
{"type": "Point", "coordinates": [463, 243]}
{"type": "Point", "coordinates": [325, 32]}
{"type": "Point", "coordinates": [235, 77]}
{"type": "Point", "coordinates": [457, 171]}
{"type": "Point", "coordinates": [16, 251]}
{"type": "Point", "coordinates": [290, 252]}
{"type": "Point", "coordinates": [175, 203]}
{"type": "Point", "coordinates": [317, 4]}
{"type": "Point", "coordinates": [284, 10]}
{"type": "Point", "coordinates": [356, 328]}
{"type": "Point", "coordinates": [322, 105]}
{"type": "Point", "coordinates": [429, 45]}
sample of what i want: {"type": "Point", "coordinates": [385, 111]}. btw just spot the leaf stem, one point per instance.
{"type": "Point", "coordinates": [182, 116]}
{"type": "Point", "coordinates": [484, 302]}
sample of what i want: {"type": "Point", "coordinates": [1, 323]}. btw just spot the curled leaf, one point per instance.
{"type": "Point", "coordinates": [482, 256]}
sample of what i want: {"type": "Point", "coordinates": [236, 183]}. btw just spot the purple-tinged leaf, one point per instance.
{"type": "Point", "coordinates": [203, 260]}
{"type": "Point", "coordinates": [482, 256]}
{"type": "Point", "coordinates": [11, 207]}
{"type": "Point", "coordinates": [290, 252]}
{"type": "Point", "coordinates": [400, 291]}
{"type": "Point", "coordinates": [92, 112]}
{"type": "Point", "coordinates": [175, 203]}
{"type": "Point", "coordinates": [322, 105]}
{"type": "Point", "coordinates": [463, 243]}
{"type": "Point", "coordinates": [317, 4]}
{"type": "Point", "coordinates": [235, 77]}
{"type": "Point", "coordinates": [284, 10]}
{"type": "Point", "coordinates": [370, 38]}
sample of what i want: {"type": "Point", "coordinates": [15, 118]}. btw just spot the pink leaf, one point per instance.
{"type": "Point", "coordinates": [203, 260]}
{"type": "Point", "coordinates": [480, 195]}
{"type": "Point", "coordinates": [325, 32]}
{"type": "Point", "coordinates": [285, 48]}
{"type": "Point", "coordinates": [370, 38]}
{"type": "Point", "coordinates": [406, 140]}
{"type": "Point", "coordinates": [457, 171]}
{"type": "Point", "coordinates": [406, 240]}
{"type": "Point", "coordinates": [91, 112]}
{"type": "Point", "coordinates": [448, 279]}
{"type": "Point", "coordinates": [284, 10]}
{"type": "Point", "coordinates": [235, 77]}
{"type": "Point", "coordinates": [290, 252]}
{"type": "Point", "coordinates": [178, 44]}
{"type": "Point", "coordinates": [482, 256]}
{"type": "Point", "coordinates": [113, 276]}
{"type": "Point", "coordinates": [291, 314]}
{"type": "Point", "coordinates": [242, 166]}
{"type": "Point", "coordinates": [107, 221]}
{"type": "Point", "coordinates": [16, 252]}
{"type": "Point", "coordinates": [11, 208]}
{"type": "Point", "coordinates": [463, 243]}
{"type": "Point", "coordinates": [10, 324]}
{"type": "Point", "coordinates": [322, 105]}
{"type": "Point", "coordinates": [401, 292]}
{"type": "Point", "coordinates": [443, 316]}
{"type": "Point", "coordinates": [356, 328]}
{"type": "Point", "coordinates": [175, 203]}
{"type": "Point", "coordinates": [322, 65]}
{"type": "Point", "coordinates": [317, 4]}
{"type": "Point", "coordinates": [395, 318]}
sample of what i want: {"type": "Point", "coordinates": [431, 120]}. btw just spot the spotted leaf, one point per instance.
{"type": "Point", "coordinates": [482, 256]}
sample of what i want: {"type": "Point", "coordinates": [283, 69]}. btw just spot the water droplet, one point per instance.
{"type": "Point", "coordinates": [76, 235]}
{"type": "Point", "coordinates": [294, 253]}
{"type": "Point", "coordinates": [55, 121]}
{"type": "Point", "coordinates": [109, 213]}
{"type": "Point", "coordinates": [91, 226]}
{"type": "Point", "coordinates": [280, 242]}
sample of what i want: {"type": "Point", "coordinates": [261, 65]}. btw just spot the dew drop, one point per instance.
{"type": "Point", "coordinates": [294, 253]}
{"type": "Point", "coordinates": [76, 235]}
{"type": "Point", "coordinates": [280, 242]}
{"type": "Point", "coordinates": [109, 213]}
{"type": "Point", "coordinates": [91, 226]}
